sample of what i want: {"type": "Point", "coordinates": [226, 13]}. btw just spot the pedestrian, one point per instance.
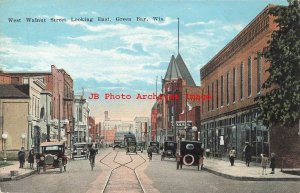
{"type": "Point", "coordinates": [247, 152]}
{"type": "Point", "coordinates": [21, 157]}
{"type": "Point", "coordinates": [207, 151]}
{"type": "Point", "coordinates": [31, 158]}
{"type": "Point", "coordinates": [272, 164]}
{"type": "Point", "coordinates": [232, 154]}
{"type": "Point", "coordinates": [201, 157]}
{"type": "Point", "coordinates": [149, 151]}
{"type": "Point", "coordinates": [179, 161]}
{"type": "Point", "coordinates": [264, 163]}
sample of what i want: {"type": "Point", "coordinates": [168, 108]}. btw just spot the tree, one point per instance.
{"type": "Point", "coordinates": [281, 104]}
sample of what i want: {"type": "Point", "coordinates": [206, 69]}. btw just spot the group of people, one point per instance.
{"type": "Point", "coordinates": [22, 155]}
{"type": "Point", "coordinates": [247, 153]}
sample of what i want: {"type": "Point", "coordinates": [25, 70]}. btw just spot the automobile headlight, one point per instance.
{"type": "Point", "coordinates": [55, 157]}
{"type": "Point", "coordinates": [42, 158]}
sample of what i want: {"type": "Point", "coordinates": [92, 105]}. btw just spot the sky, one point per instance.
{"type": "Point", "coordinates": [116, 52]}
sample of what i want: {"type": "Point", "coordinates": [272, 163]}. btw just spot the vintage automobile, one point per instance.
{"type": "Point", "coordinates": [131, 147]}
{"type": "Point", "coordinates": [140, 146]}
{"type": "Point", "coordinates": [190, 152]}
{"type": "Point", "coordinates": [52, 156]}
{"type": "Point", "coordinates": [117, 144]}
{"type": "Point", "coordinates": [169, 151]}
{"type": "Point", "coordinates": [155, 147]}
{"type": "Point", "coordinates": [80, 150]}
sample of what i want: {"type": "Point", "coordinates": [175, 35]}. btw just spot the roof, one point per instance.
{"type": "Point", "coordinates": [13, 91]}
{"type": "Point", "coordinates": [52, 143]}
{"type": "Point", "coordinates": [178, 70]}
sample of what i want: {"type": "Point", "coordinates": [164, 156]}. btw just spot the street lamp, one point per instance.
{"type": "Point", "coordinates": [23, 137]}
{"type": "Point", "coordinates": [194, 129]}
{"type": "Point", "coordinates": [30, 121]}
{"type": "Point", "coordinates": [4, 137]}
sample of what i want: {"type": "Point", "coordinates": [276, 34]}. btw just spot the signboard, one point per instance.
{"type": "Point", "coordinates": [182, 123]}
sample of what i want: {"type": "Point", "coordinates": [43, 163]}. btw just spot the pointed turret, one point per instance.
{"type": "Point", "coordinates": [178, 70]}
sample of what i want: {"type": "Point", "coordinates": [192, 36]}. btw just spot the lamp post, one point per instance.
{"type": "Point", "coordinates": [23, 137]}
{"type": "Point", "coordinates": [30, 121]}
{"type": "Point", "coordinates": [4, 138]}
{"type": "Point", "coordinates": [194, 129]}
{"type": "Point", "coordinates": [64, 122]}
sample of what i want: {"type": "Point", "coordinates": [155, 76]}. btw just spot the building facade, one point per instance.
{"type": "Point", "coordinates": [233, 78]}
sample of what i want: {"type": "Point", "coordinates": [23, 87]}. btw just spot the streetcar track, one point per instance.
{"type": "Point", "coordinates": [125, 165]}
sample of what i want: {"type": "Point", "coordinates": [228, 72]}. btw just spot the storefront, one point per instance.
{"type": "Point", "coordinates": [234, 130]}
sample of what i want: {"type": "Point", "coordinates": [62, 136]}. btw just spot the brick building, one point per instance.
{"type": "Point", "coordinates": [60, 84]}
{"type": "Point", "coordinates": [154, 122]}
{"type": "Point", "coordinates": [233, 78]}
{"type": "Point", "coordinates": [171, 102]}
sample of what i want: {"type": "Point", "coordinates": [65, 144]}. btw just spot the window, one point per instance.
{"type": "Point", "coordinates": [227, 88]}
{"type": "Point", "coordinates": [212, 96]}
{"type": "Point", "coordinates": [25, 80]}
{"type": "Point", "coordinates": [222, 91]}
{"type": "Point", "coordinates": [258, 72]}
{"type": "Point", "coordinates": [233, 84]}
{"type": "Point", "coordinates": [80, 113]}
{"type": "Point", "coordinates": [217, 93]}
{"type": "Point", "coordinates": [249, 76]}
{"type": "Point", "coordinates": [208, 99]}
{"type": "Point", "coordinates": [242, 80]}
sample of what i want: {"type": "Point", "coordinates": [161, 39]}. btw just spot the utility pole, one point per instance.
{"type": "Point", "coordinates": [186, 111]}
{"type": "Point", "coordinates": [58, 115]}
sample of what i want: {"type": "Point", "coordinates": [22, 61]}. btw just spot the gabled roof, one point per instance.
{"type": "Point", "coordinates": [13, 91]}
{"type": "Point", "coordinates": [177, 69]}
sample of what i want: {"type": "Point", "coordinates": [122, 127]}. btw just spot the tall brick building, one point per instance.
{"type": "Point", "coordinates": [234, 78]}
{"type": "Point", "coordinates": [172, 102]}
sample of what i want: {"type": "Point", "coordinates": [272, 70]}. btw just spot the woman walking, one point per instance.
{"type": "Point", "coordinates": [31, 158]}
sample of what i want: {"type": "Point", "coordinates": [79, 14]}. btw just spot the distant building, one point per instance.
{"type": "Point", "coordinates": [141, 126]}
{"type": "Point", "coordinates": [81, 113]}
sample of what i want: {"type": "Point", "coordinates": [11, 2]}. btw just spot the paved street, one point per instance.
{"type": "Point", "coordinates": [117, 172]}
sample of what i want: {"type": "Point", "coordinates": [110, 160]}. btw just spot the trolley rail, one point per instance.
{"type": "Point", "coordinates": [126, 164]}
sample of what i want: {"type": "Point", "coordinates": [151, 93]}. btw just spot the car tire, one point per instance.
{"type": "Point", "coordinates": [185, 159]}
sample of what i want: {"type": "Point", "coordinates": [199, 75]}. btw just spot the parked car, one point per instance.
{"type": "Point", "coordinates": [155, 147]}
{"type": "Point", "coordinates": [190, 152]}
{"type": "Point", "coordinates": [169, 151]}
{"type": "Point", "coordinates": [80, 150]}
{"type": "Point", "coordinates": [140, 146]}
{"type": "Point", "coordinates": [52, 156]}
{"type": "Point", "coordinates": [117, 144]}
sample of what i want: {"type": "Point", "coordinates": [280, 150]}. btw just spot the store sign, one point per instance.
{"type": "Point", "coordinates": [182, 123]}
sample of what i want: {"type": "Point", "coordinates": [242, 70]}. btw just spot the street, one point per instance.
{"type": "Point", "coordinates": [117, 172]}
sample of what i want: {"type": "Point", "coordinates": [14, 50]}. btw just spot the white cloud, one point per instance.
{"type": "Point", "coordinates": [233, 27]}
{"type": "Point", "coordinates": [201, 23]}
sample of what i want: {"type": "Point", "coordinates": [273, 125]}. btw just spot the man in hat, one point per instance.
{"type": "Point", "coordinates": [247, 151]}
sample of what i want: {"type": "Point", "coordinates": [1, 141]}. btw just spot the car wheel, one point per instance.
{"type": "Point", "coordinates": [188, 159]}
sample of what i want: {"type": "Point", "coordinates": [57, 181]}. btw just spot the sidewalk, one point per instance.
{"type": "Point", "coordinates": [241, 172]}
{"type": "Point", "coordinates": [5, 172]}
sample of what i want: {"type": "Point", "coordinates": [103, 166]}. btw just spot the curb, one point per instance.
{"type": "Point", "coordinates": [19, 177]}
{"type": "Point", "coordinates": [245, 178]}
